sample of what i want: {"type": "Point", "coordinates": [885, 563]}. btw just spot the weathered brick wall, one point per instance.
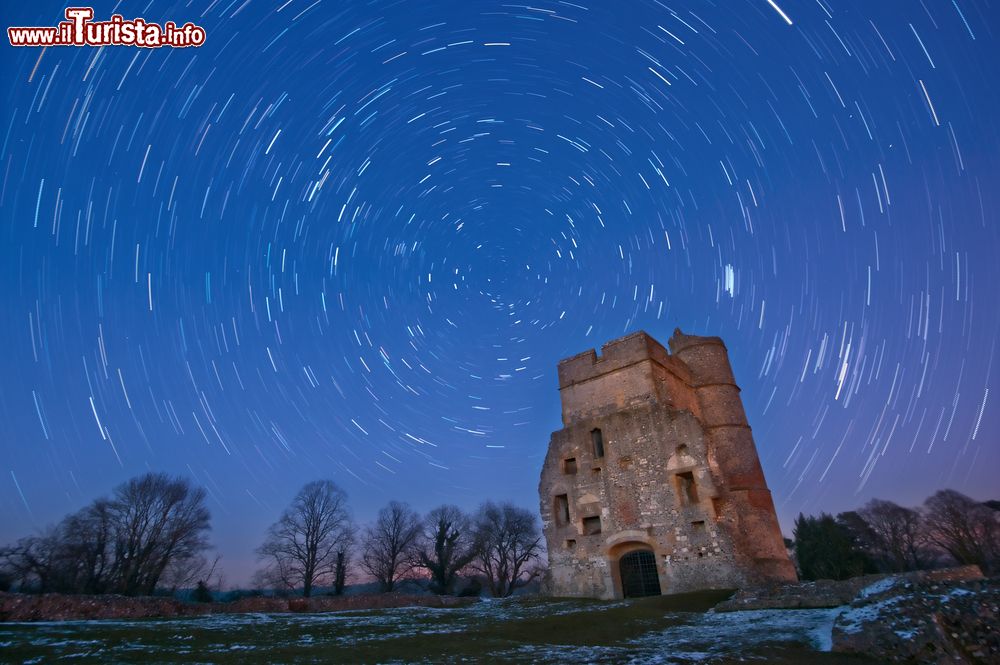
{"type": "Point", "coordinates": [629, 370]}
{"type": "Point", "coordinates": [652, 410]}
{"type": "Point", "coordinates": [748, 508]}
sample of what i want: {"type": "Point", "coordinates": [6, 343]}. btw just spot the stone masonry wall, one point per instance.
{"type": "Point", "coordinates": [647, 406]}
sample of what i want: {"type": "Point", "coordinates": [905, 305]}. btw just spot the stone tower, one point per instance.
{"type": "Point", "coordinates": [653, 484]}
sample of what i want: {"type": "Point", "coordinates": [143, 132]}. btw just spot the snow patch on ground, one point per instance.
{"type": "Point", "coordinates": [701, 638]}
{"type": "Point", "coordinates": [878, 587]}
{"type": "Point", "coordinates": [717, 633]}
{"type": "Point", "coordinates": [852, 620]}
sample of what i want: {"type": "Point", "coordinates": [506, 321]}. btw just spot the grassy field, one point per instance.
{"type": "Point", "coordinates": [667, 629]}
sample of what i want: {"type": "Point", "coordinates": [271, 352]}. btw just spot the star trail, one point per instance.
{"type": "Point", "coordinates": [352, 240]}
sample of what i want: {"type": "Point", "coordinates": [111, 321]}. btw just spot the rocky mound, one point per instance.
{"type": "Point", "coordinates": [831, 593]}
{"type": "Point", "coordinates": [901, 620]}
{"type": "Point", "coordinates": [799, 596]}
{"type": "Point", "coordinates": [58, 607]}
{"type": "Point", "coordinates": [946, 617]}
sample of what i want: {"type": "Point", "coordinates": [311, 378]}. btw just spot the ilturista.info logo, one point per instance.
{"type": "Point", "coordinates": [79, 29]}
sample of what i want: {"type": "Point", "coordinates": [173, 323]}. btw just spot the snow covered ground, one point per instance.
{"type": "Point", "coordinates": [709, 638]}
{"type": "Point", "coordinates": [512, 631]}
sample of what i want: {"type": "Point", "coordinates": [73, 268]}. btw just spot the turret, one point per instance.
{"type": "Point", "coordinates": [731, 447]}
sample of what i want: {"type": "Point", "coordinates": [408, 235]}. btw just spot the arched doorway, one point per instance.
{"type": "Point", "coordinates": [638, 574]}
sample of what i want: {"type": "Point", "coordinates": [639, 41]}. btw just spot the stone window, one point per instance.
{"type": "Point", "coordinates": [687, 491]}
{"type": "Point", "coordinates": [571, 543]}
{"type": "Point", "coordinates": [597, 437]}
{"type": "Point", "coordinates": [591, 525]}
{"type": "Point", "coordinates": [699, 526]}
{"type": "Point", "coordinates": [569, 466]}
{"type": "Point", "coordinates": [562, 509]}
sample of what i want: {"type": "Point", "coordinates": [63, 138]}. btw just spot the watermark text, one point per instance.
{"type": "Point", "coordinates": [79, 29]}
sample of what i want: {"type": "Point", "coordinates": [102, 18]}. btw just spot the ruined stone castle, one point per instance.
{"type": "Point", "coordinates": [653, 485]}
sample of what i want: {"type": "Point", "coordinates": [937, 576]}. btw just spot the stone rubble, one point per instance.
{"type": "Point", "coordinates": [832, 593]}
{"type": "Point", "coordinates": [945, 623]}
{"type": "Point", "coordinates": [944, 617]}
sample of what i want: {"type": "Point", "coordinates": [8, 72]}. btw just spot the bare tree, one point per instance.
{"type": "Point", "coordinates": [302, 547]}
{"type": "Point", "coordinates": [967, 530]}
{"type": "Point", "coordinates": [30, 563]}
{"type": "Point", "coordinates": [895, 536]}
{"type": "Point", "coordinates": [343, 560]}
{"type": "Point", "coordinates": [387, 551]}
{"type": "Point", "coordinates": [508, 546]}
{"type": "Point", "coordinates": [87, 537]}
{"type": "Point", "coordinates": [447, 545]}
{"type": "Point", "coordinates": [188, 573]}
{"type": "Point", "coordinates": [152, 528]}
{"type": "Point", "coordinates": [158, 522]}
{"type": "Point", "coordinates": [74, 556]}
{"type": "Point", "coordinates": [342, 555]}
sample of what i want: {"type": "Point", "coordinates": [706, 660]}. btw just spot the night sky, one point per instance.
{"type": "Point", "coordinates": [351, 240]}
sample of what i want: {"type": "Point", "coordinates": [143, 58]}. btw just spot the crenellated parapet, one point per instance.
{"type": "Point", "coordinates": [631, 369]}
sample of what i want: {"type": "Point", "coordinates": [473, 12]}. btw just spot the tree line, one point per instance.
{"type": "Point", "coordinates": [315, 541]}
{"type": "Point", "coordinates": [151, 535]}
{"type": "Point", "coordinates": [883, 537]}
